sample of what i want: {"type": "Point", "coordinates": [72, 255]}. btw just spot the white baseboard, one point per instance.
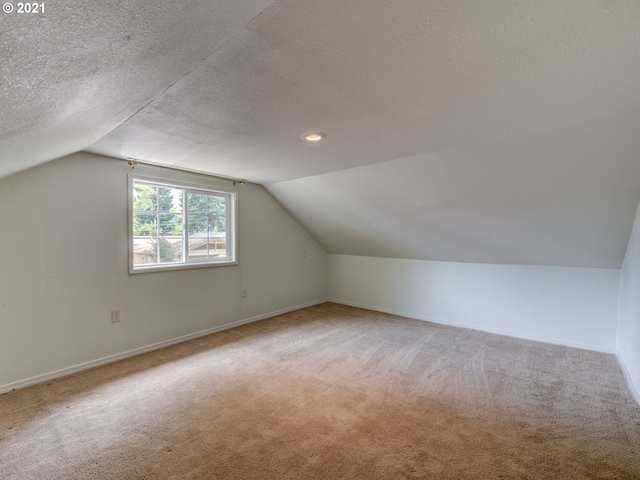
{"type": "Point", "coordinates": [138, 351]}
{"type": "Point", "coordinates": [497, 331]}
{"type": "Point", "coordinates": [627, 375]}
{"type": "Point", "coordinates": [284, 310]}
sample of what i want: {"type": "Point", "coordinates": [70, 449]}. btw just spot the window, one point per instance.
{"type": "Point", "coordinates": [178, 226]}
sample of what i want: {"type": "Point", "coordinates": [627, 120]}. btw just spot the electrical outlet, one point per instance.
{"type": "Point", "coordinates": [115, 316]}
{"type": "Point", "coordinates": [304, 253]}
{"type": "Point", "coordinates": [244, 292]}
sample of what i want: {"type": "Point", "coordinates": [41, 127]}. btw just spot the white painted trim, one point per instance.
{"type": "Point", "coordinates": [497, 331]}
{"type": "Point", "coordinates": [232, 222]}
{"type": "Point", "coordinates": [284, 310]}
{"type": "Point", "coordinates": [138, 351]}
{"type": "Point", "coordinates": [627, 375]}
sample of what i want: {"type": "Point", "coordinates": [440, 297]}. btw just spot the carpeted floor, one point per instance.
{"type": "Point", "coordinates": [331, 392]}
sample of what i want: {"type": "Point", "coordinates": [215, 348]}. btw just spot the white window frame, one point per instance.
{"type": "Point", "coordinates": [231, 240]}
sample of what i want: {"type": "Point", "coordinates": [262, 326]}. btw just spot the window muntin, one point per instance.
{"type": "Point", "coordinates": [167, 232]}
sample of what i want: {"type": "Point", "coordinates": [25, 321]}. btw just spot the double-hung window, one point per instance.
{"type": "Point", "coordinates": [179, 226]}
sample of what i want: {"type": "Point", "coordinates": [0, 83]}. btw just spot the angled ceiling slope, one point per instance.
{"type": "Point", "coordinates": [473, 131]}
{"type": "Point", "coordinates": [72, 74]}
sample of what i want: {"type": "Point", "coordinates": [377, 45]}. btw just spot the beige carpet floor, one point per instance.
{"type": "Point", "coordinates": [331, 392]}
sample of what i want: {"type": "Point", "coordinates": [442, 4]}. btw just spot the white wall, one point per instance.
{"type": "Point", "coordinates": [281, 265]}
{"type": "Point", "coordinates": [565, 305]}
{"type": "Point", "coordinates": [628, 337]}
{"type": "Point", "coordinates": [64, 267]}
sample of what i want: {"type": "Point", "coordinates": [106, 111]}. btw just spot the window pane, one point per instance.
{"type": "Point", "coordinates": [198, 236]}
{"type": "Point", "coordinates": [145, 198]}
{"type": "Point", "coordinates": [177, 225]}
{"type": "Point", "coordinates": [145, 224]}
{"type": "Point", "coordinates": [197, 203]}
{"type": "Point", "coordinates": [217, 244]}
{"type": "Point", "coordinates": [217, 213]}
{"type": "Point", "coordinates": [169, 249]}
{"type": "Point", "coordinates": [165, 199]}
{"type": "Point", "coordinates": [218, 221]}
{"type": "Point", "coordinates": [171, 222]}
{"type": "Point", "coordinates": [207, 226]}
{"type": "Point", "coordinates": [144, 251]}
{"type": "Point", "coordinates": [197, 223]}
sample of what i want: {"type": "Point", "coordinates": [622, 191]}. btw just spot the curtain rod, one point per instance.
{"type": "Point", "coordinates": [133, 163]}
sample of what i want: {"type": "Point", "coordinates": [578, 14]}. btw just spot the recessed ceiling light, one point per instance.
{"type": "Point", "coordinates": [313, 137]}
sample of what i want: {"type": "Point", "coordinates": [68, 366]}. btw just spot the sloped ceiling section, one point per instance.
{"type": "Point", "coordinates": [386, 80]}
{"type": "Point", "coordinates": [72, 74]}
{"type": "Point", "coordinates": [566, 197]}
{"type": "Point", "coordinates": [476, 131]}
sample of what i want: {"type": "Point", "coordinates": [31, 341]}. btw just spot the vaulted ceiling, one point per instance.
{"type": "Point", "coordinates": [475, 131]}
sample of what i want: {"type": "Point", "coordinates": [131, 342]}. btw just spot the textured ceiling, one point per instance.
{"type": "Point", "coordinates": [563, 197]}
{"type": "Point", "coordinates": [74, 73]}
{"type": "Point", "coordinates": [477, 131]}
